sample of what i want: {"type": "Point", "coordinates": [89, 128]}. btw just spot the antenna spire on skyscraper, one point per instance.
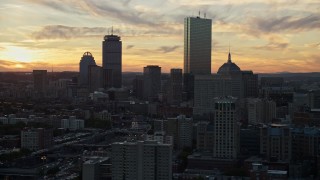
{"type": "Point", "coordinates": [229, 56]}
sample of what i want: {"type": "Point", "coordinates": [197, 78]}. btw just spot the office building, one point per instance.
{"type": "Point", "coordinates": [112, 60]}
{"type": "Point", "coordinates": [250, 84]}
{"type": "Point", "coordinates": [314, 99]}
{"type": "Point", "coordinates": [206, 88]}
{"type": "Point", "coordinates": [275, 142]}
{"type": "Point", "coordinates": [180, 128]}
{"type": "Point", "coordinates": [226, 128]}
{"type": "Point", "coordinates": [261, 111]}
{"type": "Point", "coordinates": [96, 168]}
{"type": "Point", "coordinates": [197, 45]}
{"type": "Point", "coordinates": [205, 136]}
{"type": "Point", "coordinates": [36, 139]}
{"type": "Point", "coordinates": [72, 123]}
{"type": "Point", "coordinates": [151, 82]}
{"type": "Point", "coordinates": [86, 60]}
{"type": "Point", "coordinates": [40, 82]}
{"type": "Point", "coordinates": [138, 86]}
{"type": "Point", "coordinates": [175, 87]}
{"type": "Point", "coordinates": [141, 160]}
{"type": "Point", "coordinates": [197, 51]}
{"type": "Point", "coordinates": [95, 78]}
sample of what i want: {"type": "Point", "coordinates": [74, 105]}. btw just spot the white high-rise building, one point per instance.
{"type": "Point", "coordinates": [141, 160]}
{"type": "Point", "coordinates": [226, 128]}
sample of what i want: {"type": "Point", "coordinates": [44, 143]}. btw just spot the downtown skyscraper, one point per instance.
{"type": "Point", "coordinates": [197, 45]}
{"type": "Point", "coordinates": [197, 51]}
{"type": "Point", "coordinates": [112, 61]}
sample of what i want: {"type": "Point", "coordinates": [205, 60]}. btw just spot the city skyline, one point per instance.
{"type": "Point", "coordinates": [274, 36]}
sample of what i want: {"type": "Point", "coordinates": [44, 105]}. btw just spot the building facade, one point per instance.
{"type": "Point", "coordinates": [141, 160]}
{"type": "Point", "coordinates": [226, 128]}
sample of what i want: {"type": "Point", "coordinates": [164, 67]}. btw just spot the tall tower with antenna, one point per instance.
{"type": "Point", "coordinates": [112, 60]}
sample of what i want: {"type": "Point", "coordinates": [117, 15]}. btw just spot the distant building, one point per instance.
{"type": "Point", "coordinates": [261, 111]}
{"type": "Point", "coordinates": [226, 128]}
{"type": "Point", "coordinates": [86, 60]}
{"type": "Point", "coordinates": [180, 128]}
{"type": "Point", "coordinates": [141, 160]}
{"type": "Point", "coordinates": [151, 82]}
{"type": "Point", "coordinates": [175, 87]}
{"type": "Point", "coordinates": [112, 61]}
{"type": "Point", "coordinates": [206, 88]}
{"type": "Point", "coordinates": [250, 84]}
{"type": "Point", "coordinates": [275, 142]}
{"type": "Point", "coordinates": [95, 78]}
{"type": "Point", "coordinates": [72, 123]}
{"type": "Point", "coordinates": [314, 99]}
{"type": "Point", "coordinates": [36, 139]}
{"type": "Point", "coordinates": [138, 86]}
{"type": "Point", "coordinates": [40, 81]}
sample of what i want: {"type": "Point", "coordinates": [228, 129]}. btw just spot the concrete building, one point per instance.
{"type": "Point", "coordinates": [86, 60]}
{"type": "Point", "coordinates": [181, 128]}
{"type": "Point", "coordinates": [141, 160]}
{"type": "Point", "coordinates": [226, 128]}
{"type": "Point", "coordinates": [205, 136]}
{"type": "Point", "coordinates": [314, 99]}
{"type": "Point", "coordinates": [72, 123]}
{"type": "Point", "coordinates": [161, 137]}
{"type": "Point", "coordinates": [151, 82]}
{"type": "Point", "coordinates": [275, 142]}
{"type": "Point", "coordinates": [112, 60]}
{"type": "Point", "coordinates": [175, 87]}
{"type": "Point", "coordinates": [261, 111]}
{"type": "Point", "coordinates": [96, 168]}
{"type": "Point", "coordinates": [36, 139]}
{"type": "Point", "coordinates": [197, 45]}
{"type": "Point", "coordinates": [40, 82]}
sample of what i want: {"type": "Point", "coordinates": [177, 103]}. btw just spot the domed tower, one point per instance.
{"type": "Point", "coordinates": [86, 60]}
{"type": "Point", "coordinates": [229, 67]}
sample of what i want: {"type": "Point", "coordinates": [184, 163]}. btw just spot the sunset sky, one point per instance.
{"type": "Point", "coordinates": [265, 36]}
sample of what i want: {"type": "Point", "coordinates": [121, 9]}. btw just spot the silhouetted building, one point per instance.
{"type": "Point", "coordinates": [250, 84]}
{"type": "Point", "coordinates": [112, 61]}
{"type": "Point", "coordinates": [175, 86]}
{"type": "Point", "coordinates": [86, 60]}
{"type": "Point", "coordinates": [314, 99]}
{"type": "Point", "coordinates": [205, 136]}
{"type": "Point", "coordinates": [95, 77]}
{"type": "Point", "coordinates": [40, 81]}
{"type": "Point", "coordinates": [197, 50]}
{"type": "Point", "coordinates": [197, 45]}
{"type": "Point", "coordinates": [138, 86]}
{"type": "Point", "coordinates": [151, 82]}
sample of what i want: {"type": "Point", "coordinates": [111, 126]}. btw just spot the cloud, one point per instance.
{"type": "Point", "coordinates": [130, 46]}
{"type": "Point", "coordinates": [67, 32]}
{"type": "Point", "coordinates": [15, 66]}
{"type": "Point", "coordinates": [168, 49]}
{"type": "Point", "coordinates": [286, 24]}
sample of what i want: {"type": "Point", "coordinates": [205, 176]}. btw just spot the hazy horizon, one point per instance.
{"type": "Point", "coordinates": [265, 37]}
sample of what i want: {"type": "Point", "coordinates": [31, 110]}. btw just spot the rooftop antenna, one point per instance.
{"type": "Point", "coordinates": [205, 15]}
{"type": "Point", "coordinates": [229, 55]}
{"type": "Point", "coordinates": [199, 13]}
{"type": "Point", "coordinates": [112, 30]}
